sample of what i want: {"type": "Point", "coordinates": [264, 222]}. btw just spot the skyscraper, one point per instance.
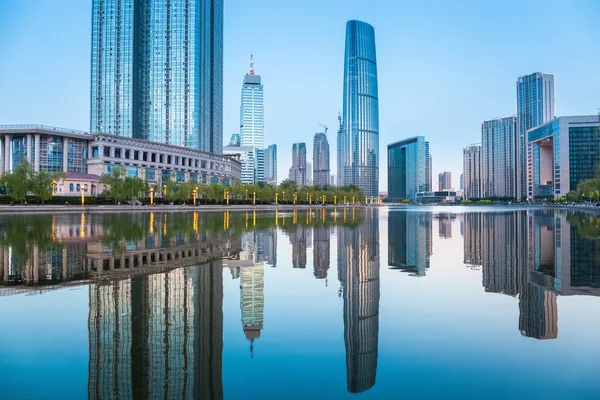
{"type": "Point", "coordinates": [157, 71]}
{"type": "Point", "coordinates": [408, 168]}
{"type": "Point", "coordinates": [535, 106]}
{"type": "Point", "coordinates": [445, 180]}
{"type": "Point", "coordinates": [499, 157]}
{"type": "Point", "coordinates": [358, 140]}
{"type": "Point", "coordinates": [298, 168]}
{"type": "Point", "coordinates": [472, 172]}
{"type": "Point", "coordinates": [321, 160]}
{"type": "Point", "coordinates": [271, 165]}
{"type": "Point", "coordinates": [252, 110]}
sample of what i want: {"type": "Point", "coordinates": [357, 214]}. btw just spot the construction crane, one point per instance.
{"type": "Point", "coordinates": [324, 126]}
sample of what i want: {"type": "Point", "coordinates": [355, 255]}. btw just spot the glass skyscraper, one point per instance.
{"type": "Point", "coordinates": [271, 164]}
{"type": "Point", "coordinates": [321, 160]}
{"type": "Point", "coordinates": [535, 106]}
{"type": "Point", "coordinates": [157, 71]}
{"type": "Point", "coordinates": [358, 140]}
{"type": "Point", "coordinates": [298, 168]}
{"type": "Point", "coordinates": [408, 168]}
{"type": "Point", "coordinates": [499, 158]}
{"type": "Point", "coordinates": [252, 110]}
{"type": "Point", "coordinates": [471, 178]}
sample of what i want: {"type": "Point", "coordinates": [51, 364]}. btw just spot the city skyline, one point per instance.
{"type": "Point", "coordinates": [63, 84]}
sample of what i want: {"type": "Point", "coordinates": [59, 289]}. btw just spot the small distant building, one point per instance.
{"type": "Point", "coordinates": [443, 196]}
{"type": "Point", "coordinates": [72, 184]}
{"type": "Point", "coordinates": [445, 180]}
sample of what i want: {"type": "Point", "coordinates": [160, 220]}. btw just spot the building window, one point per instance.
{"type": "Point", "coordinates": [180, 176]}
{"type": "Point", "coordinates": [71, 187]}
{"type": "Point", "coordinates": [95, 153]}
{"type": "Point", "coordinates": [132, 172]}
{"type": "Point", "coordinates": [117, 153]}
{"type": "Point", "coordinates": [78, 187]}
{"type": "Point", "coordinates": [150, 174]}
{"type": "Point", "coordinates": [106, 151]}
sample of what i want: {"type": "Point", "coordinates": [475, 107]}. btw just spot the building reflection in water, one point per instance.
{"type": "Point", "coordinates": [445, 224]}
{"type": "Point", "coordinates": [321, 251]}
{"type": "Point", "coordinates": [410, 241]}
{"type": "Point", "coordinates": [358, 272]}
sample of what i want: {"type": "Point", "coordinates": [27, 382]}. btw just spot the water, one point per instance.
{"type": "Point", "coordinates": [399, 303]}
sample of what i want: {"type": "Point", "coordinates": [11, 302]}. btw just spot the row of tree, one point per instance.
{"type": "Point", "coordinates": [23, 181]}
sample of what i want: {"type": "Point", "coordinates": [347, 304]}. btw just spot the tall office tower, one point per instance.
{"type": "Point", "coordinates": [252, 110]}
{"type": "Point", "coordinates": [499, 157]}
{"type": "Point", "coordinates": [410, 242]}
{"type": "Point", "coordinates": [332, 181]}
{"type": "Point", "coordinates": [429, 171]}
{"type": "Point", "coordinates": [259, 165]}
{"type": "Point", "coordinates": [409, 168]}
{"type": "Point", "coordinates": [157, 71]}
{"type": "Point", "coordinates": [358, 272]}
{"type": "Point", "coordinates": [445, 180]}
{"type": "Point", "coordinates": [309, 174]}
{"type": "Point", "coordinates": [271, 165]}
{"type": "Point", "coordinates": [358, 141]}
{"type": "Point", "coordinates": [535, 106]}
{"type": "Point", "coordinates": [461, 182]}
{"type": "Point", "coordinates": [472, 177]}
{"type": "Point", "coordinates": [298, 168]}
{"type": "Point", "coordinates": [321, 160]}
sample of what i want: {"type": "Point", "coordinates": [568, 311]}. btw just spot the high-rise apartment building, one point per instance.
{"type": "Point", "coordinates": [157, 71]}
{"type": "Point", "coordinates": [358, 140]}
{"type": "Point", "coordinates": [499, 157]}
{"type": "Point", "coordinates": [298, 169]}
{"type": "Point", "coordinates": [408, 168]}
{"type": "Point", "coordinates": [445, 180]}
{"type": "Point", "coordinates": [472, 176]}
{"type": "Point", "coordinates": [535, 106]}
{"type": "Point", "coordinates": [252, 110]}
{"type": "Point", "coordinates": [321, 160]}
{"type": "Point", "coordinates": [309, 174]}
{"type": "Point", "coordinates": [271, 165]}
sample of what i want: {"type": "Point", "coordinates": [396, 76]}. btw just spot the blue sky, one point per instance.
{"type": "Point", "coordinates": [443, 66]}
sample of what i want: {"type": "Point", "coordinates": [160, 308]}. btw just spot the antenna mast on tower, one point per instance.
{"type": "Point", "coordinates": [251, 73]}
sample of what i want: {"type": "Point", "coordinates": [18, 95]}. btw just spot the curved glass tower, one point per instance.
{"type": "Point", "coordinates": [358, 138]}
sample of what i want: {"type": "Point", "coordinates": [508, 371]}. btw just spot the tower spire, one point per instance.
{"type": "Point", "coordinates": [251, 73]}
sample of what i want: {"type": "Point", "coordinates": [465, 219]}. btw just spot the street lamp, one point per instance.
{"type": "Point", "coordinates": [323, 200]}
{"type": "Point", "coordinates": [226, 195]}
{"type": "Point", "coordinates": [82, 196]}
{"type": "Point", "coordinates": [283, 196]}
{"type": "Point", "coordinates": [276, 197]}
{"type": "Point", "coordinates": [151, 196]}
{"type": "Point", "coordinates": [310, 200]}
{"type": "Point", "coordinates": [295, 195]}
{"type": "Point", "coordinates": [246, 194]}
{"type": "Point", "coordinates": [164, 191]}
{"type": "Point", "coordinates": [254, 198]}
{"type": "Point", "coordinates": [335, 200]}
{"type": "Point", "coordinates": [53, 188]}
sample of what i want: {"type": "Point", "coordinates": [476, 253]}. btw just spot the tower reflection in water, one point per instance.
{"type": "Point", "coordinates": [358, 272]}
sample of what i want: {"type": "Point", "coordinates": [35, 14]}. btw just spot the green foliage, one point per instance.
{"type": "Point", "coordinates": [485, 201]}
{"type": "Point", "coordinates": [465, 202]}
{"type": "Point", "coordinates": [19, 182]}
{"type": "Point", "coordinates": [406, 201]}
{"type": "Point", "coordinates": [122, 188]}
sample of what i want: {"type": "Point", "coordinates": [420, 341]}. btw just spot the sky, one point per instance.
{"type": "Point", "coordinates": [443, 67]}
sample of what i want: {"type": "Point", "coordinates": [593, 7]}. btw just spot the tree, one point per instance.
{"type": "Point", "coordinates": [18, 182]}
{"type": "Point", "coordinates": [41, 184]}
{"type": "Point", "coordinates": [121, 187]}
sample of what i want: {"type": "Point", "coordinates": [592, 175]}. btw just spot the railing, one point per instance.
{"type": "Point", "coordinates": [44, 127]}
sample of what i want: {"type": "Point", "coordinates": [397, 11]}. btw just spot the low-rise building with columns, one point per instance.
{"type": "Point", "coordinates": [82, 154]}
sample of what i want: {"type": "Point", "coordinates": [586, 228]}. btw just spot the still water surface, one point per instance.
{"type": "Point", "coordinates": [370, 304]}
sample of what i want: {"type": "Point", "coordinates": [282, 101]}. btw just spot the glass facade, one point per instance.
{"type": "Point", "coordinates": [471, 180]}
{"type": "Point", "coordinates": [584, 155]}
{"type": "Point", "coordinates": [51, 153]}
{"type": "Point", "coordinates": [408, 168]}
{"type": "Point", "coordinates": [77, 156]}
{"type": "Point", "coordinates": [157, 71]}
{"type": "Point", "coordinates": [535, 106]}
{"type": "Point", "coordinates": [499, 148]}
{"type": "Point", "coordinates": [358, 138]}
{"type": "Point", "coordinates": [321, 160]}
{"type": "Point", "coordinates": [252, 111]}
{"type": "Point", "coordinates": [271, 164]}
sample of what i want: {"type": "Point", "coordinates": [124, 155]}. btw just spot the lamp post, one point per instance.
{"type": "Point", "coordinates": [323, 200]}
{"type": "Point", "coordinates": [164, 191]}
{"type": "Point", "coordinates": [283, 196]}
{"type": "Point", "coordinates": [310, 200]}
{"type": "Point", "coordinates": [344, 201]}
{"type": "Point", "coordinates": [352, 200]}
{"type": "Point", "coordinates": [82, 197]}
{"type": "Point", "coordinates": [254, 198]}
{"type": "Point", "coordinates": [197, 194]}
{"type": "Point", "coordinates": [194, 194]}
{"type": "Point", "coordinates": [151, 196]}
{"type": "Point", "coordinates": [246, 194]}
{"type": "Point", "coordinates": [276, 197]}
{"type": "Point", "coordinates": [295, 196]}
{"type": "Point", "coordinates": [53, 188]}
{"type": "Point", "coordinates": [306, 196]}
{"type": "Point", "coordinates": [335, 200]}
{"type": "Point", "coordinates": [226, 196]}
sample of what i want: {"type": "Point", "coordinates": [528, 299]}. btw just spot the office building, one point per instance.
{"type": "Point", "coordinates": [408, 168]}
{"type": "Point", "coordinates": [358, 141]}
{"type": "Point", "coordinates": [332, 181]}
{"type": "Point", "coordinates": [252, 110]}
{"type": "Point", "coordinates": [321, 160]}
{"type": "Point", "coordinates": [271, 165]}
{"type": "Point", "coordinates": [235, 140]}
{"type": "Point", "coordinates": [298, 168]}
{"type": "Point", "coordinates": [157, 71]}
{"type": "Point", "coordinates": [461, 182]}
{"type": "Point", "coordinates": [535, 106]}
{"type": "Point", "coordinates": [472, 172]}
{"type": "Point", "coordinates": [499, 157]}
{"type": "Point", "coordinates": [86, 157]}
{"type": "Point", "coordinates": [445, 181]}
{"type": "Point", "coordinates": [321, 252]}
{"type": "Point", "coordinates": [563, 152]}
{"type": "Point", "coordinates": [410, 242]}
